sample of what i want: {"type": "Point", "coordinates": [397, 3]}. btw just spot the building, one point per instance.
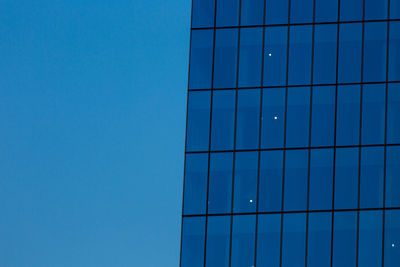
{"type": "Point", "coordinates": [293, 134]}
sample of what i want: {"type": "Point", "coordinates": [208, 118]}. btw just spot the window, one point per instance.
{"type": "Point", "coordinates": [227, 13]}
{"type": "Point", "coordinates": [201, 54]}
{"type": "Point", "coordinates": [218, 237]}
{"type": "Point", "coordinates": [301, 11]}
{"type": "Point", "coordinates": [326, 11]}
{"type": "Point", "coordinates": [350, 47]}
{"type": "Point", "coordinates": [394, 9]}
{"type": "Point", "coordinates": [226, 46]}
{"type": "Point", "coordinates": [323, 116]}
{"type": "Point", "coordinates": [203, 13]}
{"type": "Point", "coordinates": [294, 240]}
{"type": "Point", "coordinates": [243, 240]}
{"type": "Point", "coordinates": [394, 51]}
{"type": "Point", "coordinates": [393, 116]}
{"type": "Point", "coordinates": [393, 177]}
{"type": "Point", "coordinates": [375, 52]}
{"type": "Point", "coordinates": [351, 10]}
{"type": "Point", "coordinates": [252, 12]}
{"type": "Point", "coordinates": [376, 9]}
{"type": "Point", "coordinates": [345, 239]}
{"type": "Point", "coordinates": [193, 232]}
{"type": "Point", "coordinates": [268, 240]}
{"type": "Point", "coordinates": [319, 239]}
{"type": "Point", "coordinates": [298, 117]}
{"type": "Point", "coordinates": [392, 238]}
{"type": "Point", "coordinates": [248, 119]}
{"type": "Point", "coordinates": [277, 12]}
{"type": "Point", "coordinates": [370, 240]}
{"type": "Point", "coordinates": [325, 54]}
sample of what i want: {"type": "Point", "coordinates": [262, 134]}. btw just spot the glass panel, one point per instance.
{"type": "Point", "coordinates": [392, 238]}
{"type": "Point", "coordinates": [348, 115]}
{"type": "Point", "coordinates": [370, 241]}
{"type": "Point", "coordinates": [218, 235]}
{"type": "Point", "coordinates": [294, 240]}
{"type": "Point", "coordinates": [373, 114]}
{"type": "Point", "coordinates": [301, 11]}
{"type": "Point", "coordinates": [376, 9]}
{"type": "Point", "coordinates": [395, 9]}
{"type": "Point", "coordinates": [351, 10]}
{"type": "Point", "coordinates": [345, 239]}
{"type": "Point", "coordinates": [300, 50]}
{"type": "Point", "coordinates": [277, 11]}
{"type": "Point", "coordinates": [196, 171]}
{"type": "Point", "coordinates": [394, 51]}
{"type": "Point", "coordinates": [268, 240]}
{"type": "Point", "coordinates": [250, 57]}
{"type": "Point", "coordinates": [273, 118]}
{"type": "Point", "coordinates": [245, 190]}
{"type": "Point", "coordinates": [325, 54]}
{"type": "Point", "coordinates": [296, 176]}
{"type": "Point", "coordinates": [193, 233]}
{"type": "Point", "coordinates": [243, 240]}
{"type": "Point", "coordinates": [275, 56]}
{"type": "Point", "coordinates": [375, 52]}
{"type": "Point", "coordinates": [201, 54]}
{"type": "Point", "coordinates": [326, 10]}
{"type": "Point", "coordinates": [393, 177]}
{"type": "Point", "coordinates": [203, 13]}
{"type": "Point", "coordinates": [321, 179]}
{"type": "Point", "coordinates": [346, 178]}
{"type": "Point", "coordinates": [223, 120]}
{"type": "Point", "coordinates": [226, 42]}
{"type": "Point", "coordinates": [270, 191]}
{"type": "Point", "coordinates": [298, 117]}
{"type": "Point", "coordinates": [323, 116]}
{"type": "Point", "coordinates": [252, 12]}
{"type": "Point", "coordinates": [371, 183]}
{"type": "Point", "coordinates": [393, 116]}
{"type": "Point", "coordinates": [319, 240]}
{"type": "Point", "coordinates": [248, 119]}
{"type": "Point", "coordinates": [350, 47]}
{"type": "Point", "coordinates": [227, 13]}
{"type": "Point", "coordinates": [220, 183]}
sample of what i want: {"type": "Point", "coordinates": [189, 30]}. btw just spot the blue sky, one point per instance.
{"type": "Point", "coordinates": [92, 121]}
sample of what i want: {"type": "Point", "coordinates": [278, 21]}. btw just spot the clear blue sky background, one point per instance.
{"type": "Point", "coordinates": [92, 119]}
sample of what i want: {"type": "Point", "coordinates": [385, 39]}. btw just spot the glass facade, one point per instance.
{"type": "Point", "coordinates": [292, 154]}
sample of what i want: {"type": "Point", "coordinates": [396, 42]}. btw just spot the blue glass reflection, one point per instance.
{"type": "Point", "coordinates": [323, 116]}
{"type": "Point", "coordinates": [346, 178]}
{"type": "Point", "coordinates": [227, 13]}
{"type": "Point", "coordinates": [294, 240]}
{"type": "Point", "coordinates": [375, 52]}
{"type": "Point", "coordinates": [394, 51]}
{"type": "Point", "coordinates": [321, 179]}
{"type": "Point", "coordinates": [268, 240]}
{"type": "Point", "coordinates": [203, 13]}
{"type": "Point", "coordinates": [193, 233]}
{"type": "Point", "coordinates": [218, 236]}
{"type": "Point", "coordinates": [325, 54]}
{"type": "Point", "coordinates": [296, 177]}
{"type": "Point", "coordinates": [351, 10]}
{"type": "Point", "coordinates": [301, 11]}
{"type": "Point", "coordinates": [248, 119]}
{"type": "Point", "coordinates": [252, 12]}
{"type": "Point", "coordinates": [201, 59]}
{"type": "Point", "coordinates": [376, 9]}
{"type": "Point", "coordinates": [270, 187]}
{"type": "Point", "coordinates": [393, 116]}
{"type": "Point", "coordinates": [370, 240]}
{"type": "Point", "coordinates": [226, 46]}
{"type": "Point", "coordinates": [350, 47]}
{"type": "Point", "coordinates": [392, 238]}
{"type": "Point", "coordinates": [319, 239]}
{"type": "Point", "coordinates": [298, 117]}
{"type": "Point", "coordinates": [326, 11]}
{"type": "Point", "coordinates": [393, 177]}
{"type": "Point", "coordinates": [273, 118]}
{"type": "Point", "coordinates": [345, 239]}
{"type": "Point", "coordinates": [277, 12]}
{"type": "Point", "coordinates": [243, 240]}
{"type": "Point", "coordinates": [395, 9]}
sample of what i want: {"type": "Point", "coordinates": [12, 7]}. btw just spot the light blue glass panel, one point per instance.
{"type": "Point", "coordinates": [321, 179]}
{"type": "Point", "coordinates": [273, 118]}
{"type": "Point", "coordinates": [275, 52]}
{"type": "Point", "coordinates": [323, 116]}
{"type": "Point", "coordinates": [218, 237]}
{"type": "Point", "coordinates": [193, 234]}
{"type": "Point", "coordinates": [319, 239]}
{"type": "Point", "coordinates": [350, 52]}
{"type": "Point", "coordinates": [393, 177]}
{"type": "Point", "coordinates": [201, 54]}
{"type": "Point", "coordinates": [226, 49]}
{"type": "Point", "coordinates": [243, 240]}
{"type": "Point", "coordinates": [370, 240]}
{"type": "Point", "coordinates": [250, 57]}
{"type": "Point", "coordinates": [298, 117]}
{"type": "Point", "coordinates": [346, 178]}
{"type": "Point", "coordinates": [248, 119]}
{"type": "Point", "coordinates": [268, 240]}
{"type": "Point", "coordinates": [294, 240]}
{"type": "Point", "coordinates": [345, 239]}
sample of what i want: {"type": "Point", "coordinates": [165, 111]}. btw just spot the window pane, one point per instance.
{"type": "Point", "coordinates": [346, 178]}
{"type": "Point", "coordinates": [392, 238]}
{"type": "Point", "coordinates": [298, 117]}
{"type": "Point", "coordinates": [243, 240]}
{"type": "Point", "coordinates": [394, 51]}
{"type": "Point", "coordinates": [270, 191]}
{"type": "Point", "coordinates": [248, 119]}
{"type": "Point", "coordinates": [223, 120]}
{"type": "Point", "coordinates": [196, 171]}
{"type": "Point", "coordinates": [300, 50]}
{"type": "Point", "coordinates": [201, 54]}
{"type": "Point", "coordinates": [227, 13]}
{"type": "Point", "coordinates": [301, 11]}
{"type": "Point", "coordinates": [350, 47]}
{"type": "Point", "coordinates": [325, 54]}
{"type": "Point", "coordinates": [393, 116]}
{"type": "Point", "coordinates": [193, 232]}
{"type": "Point", "coordinates": [252, 12]}
{"type": "Point", "coordinates": [395, 9]}
{"type": "Point", "coordinates": [351, 10]}
{"type": "Point", "coordinates": [345, 239]}
{"type": "Point", "coordinates": [371, 183]}
{"type": "Point", "coordinates": [376, 9]}
{"type": "Point", "coordinates": [296, 176]}
{"type": "Point", "coordinates": [268, 240]}
{"type": "Point", "coordinates": [220, 183]}
{"type": "Point", "coordinates": [319, 239]}
{"type": "Point", "coordinates": [321, 179]}
{"type": "Point", "coordinates": [294, 240]}
{"type": "Point", "coordinates": [370, 241]}
{"type": "Point", "coordinates": [218, 235]}
{"type": "Point", "coordinates": [203, 13]}
{"type": "Point", "coordinates": [250, 57]}
{"type": "Point", "coordinates": [373, 114]}
{"type": "Point", "coordinates": [198, 121]}
{"type": "Point", "coordinates": [323, 116]}
{"type": "Point", "coordinates": [375, 52]}
{"type": "Point", "coordinates": [348, 115]}
{"type": "Point", "coordinates": [273, 118]}
{"type": "Point", "coordinates": [393, 177]}
{"type": "Point", "coordinates": [275, 56]}
{"type": "Point", "coordinates": [326, 10]}
{"type": "Point", "coordinates": [277, 12]}
{"type": "Point", "coordinates": [245, 190]}
{"type": "Point", "coordinates": [226, 41]}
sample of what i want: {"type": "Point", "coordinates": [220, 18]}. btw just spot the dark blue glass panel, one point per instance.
{"type": "Point", "coordinates": [351, 10]}
{"type": "Point", "coordinates": [273, 118]}
{"type": "Point", "coordinates": [323, 116]}
{"type": "Point", "coordinates": [193, 234]}
{"type": "Point", "coordinates": [252, 12]}
{"type": "Point", "coordinates": [294, 240]}
{"type": "Point", "coordinates": [268, 240]}
{"type": "Point", "coordinates": [203, 13]}
{"type": "Point", "coordinates": [346, 178]}
{"type": "Point", "coordinates": [394, 51]}
{"type": "Point", "coordinates": [270, 191]}
{"type": "Point", "coordinates": [250, 57]}
{"type": "Point", "coordinates": [375, 52]}
{"type": "Point", "coordinates": [300, 50]}
{"type": "Point", "coordinates": [326, 11]}
{"type": "Point", "coordinates": [245, 188]}
{"type": "Point", "coordinates": [321, 179]}
{"type": "Point", "coordinates": [196, 171]}
{"type": "Point", "coordinates": [392, 238]}
{"type": "Point", "coordinates": [218, 236]}
{"type": "Point", "coordinates": [395, 9]}
{"type": "Point", "coordinates": [350, 47]}
{"type": "Point", "coordinates": [227, 13]}
{"type": "Point", "coordinates": [223, 120]}
{"type": "Point", "coordinates": [301, 11]}
{"type": "Point", "coordinates": [275, 56]}
{"type": "Point", "coordinates": [376, 9]}
{"type": "Point", "coordinates": [319, 239]}
{"type": "Point", "coordinates": [393, 116]}
{"type": "Point", "coordinates": [243, 240]}
{"type": "Point", "coordinates": [371, 181]}
{"type": "Point", "coordinates": [325, 54]}
{"type": "Point", "coordinates": [296, 176]}
{"type": "Point", "coordinates": [348, 115]}
{"type": "Point", "coordinates": [226, 46]}
{"type": "Point", "coordinates": [345, 239]}
{"type": "Point", "coordinates": [248, 119]}
{"type": "Point", "coordinates": [198, 121]}
{"type": "Point", "coordinates": [201, 54]}
{"type": "Point", "coordinates": [220, 183]}
{"type": "Point", "coordinates": [277, 12]}
{"type": "Point", "coordinates": [298, 117]}
{"type": "Point", "coordinates": [373, 114]}
{"type": "Point", "coordinates": [370, 240]}
{"type": "Point", "coordinates": [393, 177]}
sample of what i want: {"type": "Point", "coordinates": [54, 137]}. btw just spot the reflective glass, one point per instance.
{"type": "Point", "coordinates": [226, 46]}
{"type": "Point", "coordinates": [394, 51]}
{"type": "Point", "coordinates": [301, 11]}
{"type": "Point", "coordinates": [273, 117]}
{"type": "Point", "coordinates": [350, 47]}
{"type": "Point", "coordinates": [326, 10]}
{"type": "Point", "coordinates": [392, 238]}
{"type": "Point", "coordinates": [252, 12]}
{"type": "Point", "coordinates": [243, 240]}
{"type": "Point", "coordinates": [296, 176]}
{"type": "Point", "coordinates": [325, 54]}
{"type": "Point", "coordinates": [395, 9]}
{"type": "Point", "coordinates": [393, 177]}
{"type": "Point", "coordinates": [319, 239]}
{"type": "Point", "coordinates": [250, 57]}
{"type": "Point", "coordinates": [393, 116]}
{"type": "Point", "coordinates": [193, 234]}
{"type": "Point", "coordinates": [376, 9]}
{"type": "Point", "coordinates": [218, 236]}
{"type": "Point", "coordinates": [268, 240]}
{"type": "Point", "coordinates": [203, 13]}
{"type": "Point", "coordinates": [370, 240]}
{"type": "Point", "coordinates": [294, 240]}
{"type": "Point", "coordinates": [220, 183]}
{"type": "Point", "coordinates": [298, 117]}
{"type": "Point", "coordinates": [201, 54]}
{"type": "Point", "coordinates": [323, 116]}
{"type": "Point", "coordinates": [277, 11]}
{"type": "Point", "coordinates": [245, 188]}
{"type": "Point", "coordinates": [345, 239]}
{"type": "Point", "coordinates": [227, 13]}
{"type": "Point", "coordinates": [248, 119]}
{"type": "Point", "coordinates": [375, 52]}
{"type": "Point", "coordinates": [351, 10]}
